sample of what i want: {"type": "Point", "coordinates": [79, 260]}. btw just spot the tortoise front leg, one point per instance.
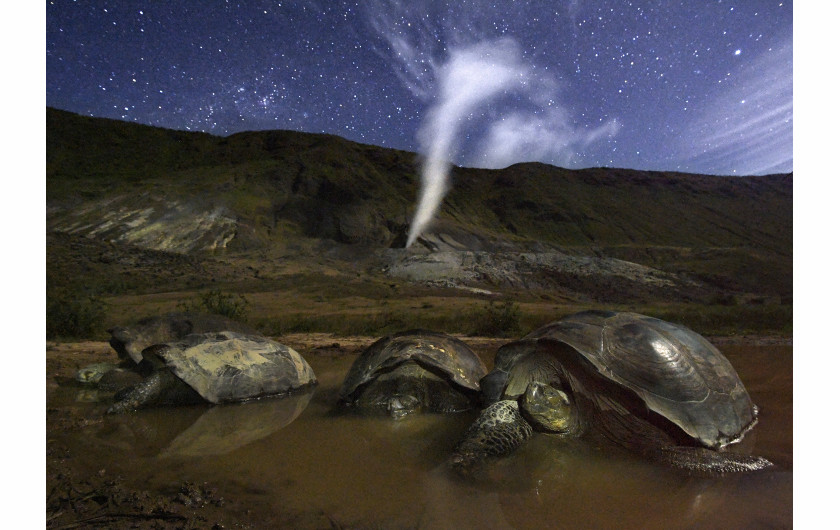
{"type": "Point", "coordinates": [145, 393]}
{"type": "Point", "coordinates": [499, 430]}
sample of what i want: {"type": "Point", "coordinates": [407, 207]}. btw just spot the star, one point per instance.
{"type": "Point", "coordinates": [345, 68]}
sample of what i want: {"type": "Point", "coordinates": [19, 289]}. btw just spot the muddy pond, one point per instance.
{"type": "Point", "coordinates": [295, 462]}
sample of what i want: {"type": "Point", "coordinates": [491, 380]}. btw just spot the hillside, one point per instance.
{"type": "Point", "coordinates": [134, 210]}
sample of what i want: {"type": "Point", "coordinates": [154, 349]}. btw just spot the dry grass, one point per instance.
{"type": "Point", "coordinates": [301, 311]}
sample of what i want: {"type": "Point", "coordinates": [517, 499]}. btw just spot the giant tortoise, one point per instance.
{"type": "Point", "coordinates": [130, 341]}
{"type": "Point", "coordinates": [411, 371]}
{"type": "Point", "coordinates": [650, 386]}
{"type": "Point", "coordinates": [217, 368]}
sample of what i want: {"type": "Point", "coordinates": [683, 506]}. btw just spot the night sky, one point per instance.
{"type": "Point", "coordinates": [694, 86]}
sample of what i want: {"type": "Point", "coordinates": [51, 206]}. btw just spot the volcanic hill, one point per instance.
{"type": "Point", "coordinates": [145, 217]}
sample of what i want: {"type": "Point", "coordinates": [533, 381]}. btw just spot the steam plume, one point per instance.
{"type": "Point", "coordinates": [470, 77]}
{"type": "Point", "coordinates": [512, 106]}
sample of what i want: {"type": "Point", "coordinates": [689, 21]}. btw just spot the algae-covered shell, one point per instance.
{"type": "Point", "coordinates": [227, 366]}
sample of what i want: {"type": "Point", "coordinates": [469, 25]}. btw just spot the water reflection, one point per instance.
{"type": "Point", "coordinates": [201, 430]}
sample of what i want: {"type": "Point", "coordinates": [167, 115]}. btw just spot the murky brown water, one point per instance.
{"type": "Point", "coordinates": [297, 456]}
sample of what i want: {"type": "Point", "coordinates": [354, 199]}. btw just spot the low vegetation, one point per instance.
{"type": "Point", "coordinates": [499, 320]}
{"type": "Point", "coordinates": [298, 311]}
{"type": "Point", "coordinates": [216, 302]}
{"type": "Point", "coordinates": [75, 316]}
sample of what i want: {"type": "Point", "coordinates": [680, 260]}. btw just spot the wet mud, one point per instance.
{"type": "Point", "coordinates": [298, 463]}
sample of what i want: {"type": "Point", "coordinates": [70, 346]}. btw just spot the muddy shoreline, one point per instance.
{"type": "Point", "coordinates": [78, 496]}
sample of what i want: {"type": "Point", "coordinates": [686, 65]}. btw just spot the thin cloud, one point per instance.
{"type": "Point", "coordinates": [751, 123]}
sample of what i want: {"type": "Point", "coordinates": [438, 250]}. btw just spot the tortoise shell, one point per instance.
{"type": "Point", "coordinates": [445, 355]}
{"type": "Point", "coordinates": [673, 370]}
{"type": "Point", "coordinates": [227, 366]}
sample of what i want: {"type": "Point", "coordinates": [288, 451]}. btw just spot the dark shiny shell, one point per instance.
{"type": "Point", "coordinates": [675, 371]}
{"type": "Point", "coordinates": [227, 366]}
{"type": "Point", "coordinates": [445, 355]}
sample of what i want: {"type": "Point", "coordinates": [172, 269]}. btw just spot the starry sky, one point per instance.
{"type": "Point", "coordinates": [677, 85]}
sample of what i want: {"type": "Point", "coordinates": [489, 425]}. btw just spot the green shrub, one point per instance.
{"type": "Point", "coordinates": [499, 320]}
{"type": "Point", "coordinates": [76, 316]}
{"type": "Point", "coordinates": [232, 306]}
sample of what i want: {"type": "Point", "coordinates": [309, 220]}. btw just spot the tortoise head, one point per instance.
{"type": "Point", "coordinates": [122, 340]}
{"type": "Point", "coordinates": [403, 404]}
{"type": "Point", "coordinates": [398, 392]}
{"type": "Point", "coordinates": [492, 385]}
{"type": "Point", "coordinates": [546, 408]}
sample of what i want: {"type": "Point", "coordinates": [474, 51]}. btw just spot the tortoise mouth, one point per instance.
{"type": "Point", "coordinates": [400, 406]}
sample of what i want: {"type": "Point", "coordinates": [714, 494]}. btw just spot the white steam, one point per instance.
{"type": "Point", "coordinates": [549, 136]}
{"type": "Point", "coordinates": [470, 78]}
{"type": "Point", "coordinates": [466, 83]}
{"type": "Point", "coordinates": [488, 104]}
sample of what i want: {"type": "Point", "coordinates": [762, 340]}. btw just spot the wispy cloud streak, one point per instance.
{"type": "Point", "coordinates": [747, 129]}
